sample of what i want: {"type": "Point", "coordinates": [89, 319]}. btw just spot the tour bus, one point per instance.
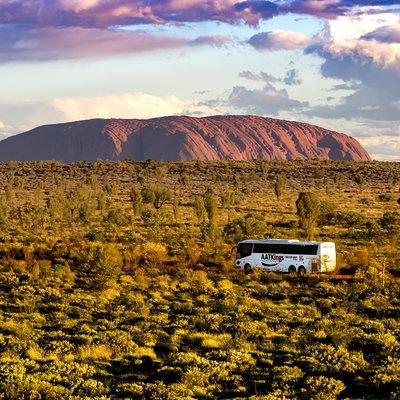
{"type": "Point", "coordinates": [286, 256]}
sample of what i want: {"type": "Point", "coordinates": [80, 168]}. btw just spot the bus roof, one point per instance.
{"type": "Point", "coordinates": [282, 241]}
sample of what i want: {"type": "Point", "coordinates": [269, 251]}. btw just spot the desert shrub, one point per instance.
{"type": "Point", "coordinates": [359, 179]}
{"type": "Point", "coordinates": [18, 384]}
{"type": "Point", "coordinates": [388, 374]}
{"type": "Point", "coordinates": [95, 235]}
{"type": "Point", "coordinates": [391, 222]}
{"type": "Point", "coordinates": [94, 352]}
{"type": "Point", "coordinates": [385, 197]}
{"type": "Point", "coordinates": [99, 266]}
{"type": "Point", "coordinates": [327, 212]}
{"type": "Point", "coordinates": [338, 361]}
{"type": "Point", "coordinates": [372, 229]}
{"type": "Point", "coordinates": [150, 253]}
{"type": "Point", "coordinates": [349, 219]}
{"type": "Point", "coordinates": [366, 201]}
{"type": "Point", "coordinates": [119, 217]}
{"type": "Point", "coordinates": [149, 218]}
{"type": "Point", "coordinates": [339, 178]}
{"type": "Point", "coordinates": [322, 388]}
{"type": "Point", "coordinates": [360, 258]}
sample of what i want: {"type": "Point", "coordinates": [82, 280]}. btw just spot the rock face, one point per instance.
{"type": "Point", "coordinates": [181, 138]}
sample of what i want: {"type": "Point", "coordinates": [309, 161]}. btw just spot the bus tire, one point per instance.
{"type": "Point", "coordinates": [247, 268]}
{"type": "Point", "coordinates": [292, 269]}
{"type": "Point", "coordinates": [301, 270]}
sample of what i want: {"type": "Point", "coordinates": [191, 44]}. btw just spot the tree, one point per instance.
{"type": "Point", "coordinates": [210, 204]}
{"type": "Point", "coordinates": [308, 211]}
{"type": "Point", "coordinates": [229, 199]}
{"type": "Point", "coordinates": [4, 211]}
{"type": "Point", "coordinates": [247, 227]}
{"type": "Point", "coordinates": [236, 181]}
{"type": "Point", "coordinates": [280, 185]}
{"type": "Point", "coordinates": [199, 208]}
{"type": "Point", "coordinates": [264, 168]}
{"type": "Point", "coordinates": [176, 210]}
{"type": "Point", "coordinates": [137, 201]}
{"type": "Point", "coordinates": [156, 195]}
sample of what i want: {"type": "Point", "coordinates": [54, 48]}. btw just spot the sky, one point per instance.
{"type": "Point", "coordinates": [333, 63]}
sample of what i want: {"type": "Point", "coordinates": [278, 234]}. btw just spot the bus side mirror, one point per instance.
{"type": "Point", "coordinates": [233, 248]}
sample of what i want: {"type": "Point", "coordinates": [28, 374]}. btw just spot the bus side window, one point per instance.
{"type": "Point", "coordinates": [244, 250]}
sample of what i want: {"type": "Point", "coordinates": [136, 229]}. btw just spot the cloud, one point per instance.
{"type": "Point", "coordinates": [353, 85]}
{"type": "Point", "coordinates": [42, 44]}
{"type": "Point", "coordinates": [346, 37]}
{"type": "Point", "coordinates": [373, 65]}
{"type": "Point", "coordinates": [129, 105]}
{"type": "Point", "coordinates": [259, 77]}
{"type": "Point", "coordinates": [265, 101]}
{"type": "Point", "coordinates": [22, 116]}
{"type": "Point", "coordinates": [382, 147]}
{"type": "Point", "coordinates": [57, 29]}
{"type": "Point", "coordinates": [384, 34]}
{"type": "Point", "coordinates": [78, 5]}
{"type": "Point", "coordinates": [254, 10]}
{"type": "Point", "coordinates": [292, 78]}
{"type": "Point", "coordinates": [104, 13]}
{"type": "Point", "coordinates": [214, 41]}
{"type": "Point", "coordinates": [279, 40]}
{"type": "Point", "coordinates": [331, 9]}
{"type": "Point", "coordinates": [74, 42]}
{"type": "Point", "coordinates": [107, 13]}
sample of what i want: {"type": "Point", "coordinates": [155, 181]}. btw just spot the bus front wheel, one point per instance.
{"type": "Point", "coordinates": [301, 270]}
{"type": "Point", "coordinates": [247, 268]}
{"type": "Point", "coordinates": [292, 269]}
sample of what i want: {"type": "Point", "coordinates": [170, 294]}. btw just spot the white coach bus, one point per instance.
{"type": "Point", "coordinates": [286, 256]}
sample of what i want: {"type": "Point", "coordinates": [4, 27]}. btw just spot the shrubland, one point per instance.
{"type": "Point", "coordinates": [117, 281]}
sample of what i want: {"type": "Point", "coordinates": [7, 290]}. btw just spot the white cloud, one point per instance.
{"type": "Point", "coordinates": [22, 116]}
{"type": "Point", "coordinates": [382, 147]}
{"type": "Point", "coordinates": [128, 105]}
{"type": "Point", "coordinates": [349, 36]}
{"type": "Point", "coordinates": [78, 5]}
{"type": "Point", "coordinates": [278, 40]}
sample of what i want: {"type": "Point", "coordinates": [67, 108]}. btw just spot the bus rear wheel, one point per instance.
{"type": "Point", "coordinates": [301, 270]}
{"type": "Point", "coordinates": [292, 269]}
{"type": "Point", "coordinates": [247, 268]}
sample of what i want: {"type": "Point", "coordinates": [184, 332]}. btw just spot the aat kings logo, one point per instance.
{"type": "Point", "coordinates": [272, 259]}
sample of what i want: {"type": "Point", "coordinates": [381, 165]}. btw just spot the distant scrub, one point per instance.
{"type": "Point", "coordinates": [117, 280]}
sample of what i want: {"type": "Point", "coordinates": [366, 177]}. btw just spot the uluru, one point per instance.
{"type": "Point", "coordinates": [181, 138]}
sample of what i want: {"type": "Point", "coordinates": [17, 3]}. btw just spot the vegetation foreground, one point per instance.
{"type": "Point", "coordinates": [117, 280]}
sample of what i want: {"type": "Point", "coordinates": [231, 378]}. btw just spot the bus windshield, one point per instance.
{"type": "Point", "coordinates": [244, 250]}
